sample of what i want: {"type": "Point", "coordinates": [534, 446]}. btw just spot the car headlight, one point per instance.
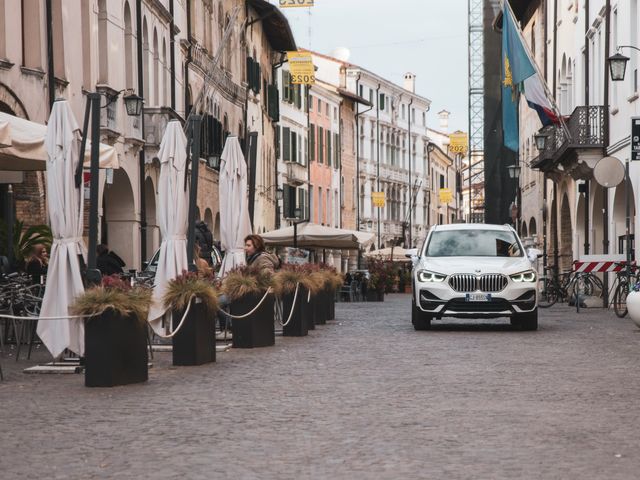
{"type": "Point", "coordinates": [527, 276]}
{"type": "Point", "coordinates": [427, 276]}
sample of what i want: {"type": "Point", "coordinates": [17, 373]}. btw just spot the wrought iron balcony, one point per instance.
{"type": "Point", "coordinates": [577, 152]}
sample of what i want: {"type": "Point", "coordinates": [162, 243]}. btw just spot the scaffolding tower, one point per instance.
{"type": "Point", "coordinates": [475, 166]}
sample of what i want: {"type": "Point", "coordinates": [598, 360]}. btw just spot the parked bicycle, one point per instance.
{"type": "Point", "coordinates": [624, 284]}
{"type": "Point", "coordinates": [554, 287]}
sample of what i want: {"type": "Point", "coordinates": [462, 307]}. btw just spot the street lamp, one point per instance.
{"type": "Point", "coordinates": [618, 66]}
{"type": "Point", "coordinates": [133, 103]}
{"type": "Point", "coordinates": [514, 171]}
{"type": "Point", "coordinates": [541, 141]}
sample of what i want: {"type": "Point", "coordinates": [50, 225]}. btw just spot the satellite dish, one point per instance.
{"type": "Point", "coordinates": [609, 172]}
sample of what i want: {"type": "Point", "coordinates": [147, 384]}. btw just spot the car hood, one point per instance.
{"type": "Point", "coordinates": [475, 265]}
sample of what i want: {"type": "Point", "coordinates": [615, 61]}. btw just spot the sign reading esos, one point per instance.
{"type": "Point", "coordinates": [295, 3]}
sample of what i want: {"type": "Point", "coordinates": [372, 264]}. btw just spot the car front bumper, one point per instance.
{"type": "Point", "coordinates": [440, 300]}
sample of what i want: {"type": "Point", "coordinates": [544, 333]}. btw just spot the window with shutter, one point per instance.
{"type": "Point", "coordinates": [382, 101]}
{"type": "Point", "coordinates": [285, 86]}
{"type": "Point", "coordinates": [250, 72]}
{"type": "Point", "coordinates": [298, 96]}
{"type": "Point", "coordinates": [294, 147]}
{"type": "Point", "coordinates": [312, 142]}
{"type": "Point", "coordinates": [328, 148]}
{"type": "Point", "coordinates": [286, 147]}
{"type": "Point", "coordinates": [286, 207]}
{"type": "Point", "coordinates": [320, 141]}
{"type": "Point", "coordinates": [338, 148]}
{"type": "Point", "coordinates": [278, 137]}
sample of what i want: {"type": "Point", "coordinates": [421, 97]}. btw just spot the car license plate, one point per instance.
{"type": "Point", "coordinates": [478, 297]}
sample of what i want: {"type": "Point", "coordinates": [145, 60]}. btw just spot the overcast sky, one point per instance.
{"type": "Point", "coordinates": [391, 37]}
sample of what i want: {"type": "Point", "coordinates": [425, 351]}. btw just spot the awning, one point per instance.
{"type": "Point", "coordinates": [275, 24]}
{"type": "Point", "coordinates": [22, 146]}
{"type": "Point", "coordinates": [311, 235]}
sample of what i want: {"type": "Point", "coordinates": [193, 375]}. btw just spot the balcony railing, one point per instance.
{"type": "Point", "coordinates": [296, 173]}
{"type": "Point", "coordinates": [586, 130]}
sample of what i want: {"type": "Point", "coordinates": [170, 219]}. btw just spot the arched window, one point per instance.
{"type": "Point", "coordinates": [128, 47]}
{"type": "Point", "coordinates": [145, 57]}
{"type": "Point", "coordinates": [156, 69]}
{"type": "Point", "coordinates": [103, 43]}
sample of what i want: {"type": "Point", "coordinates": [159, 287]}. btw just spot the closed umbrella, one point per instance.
{"type": "Point", "coordinates": [65, 206]}
{"type": "Point", "coordinates": [172, 216]}
{"type": "Point", "coordinates": [235, 224]}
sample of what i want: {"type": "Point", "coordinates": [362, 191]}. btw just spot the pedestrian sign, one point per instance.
{"type": "Point", "coordinates": [378, 199]}
{"type": "Point", "coordinates": [445, 195]}
{"type": "Point", "coordinates": [301, 68]}
{"type": "Point", "coordinates": [635, 138]}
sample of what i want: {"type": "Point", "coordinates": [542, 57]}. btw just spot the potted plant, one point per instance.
{"type": "Point", "coordinates": [249, 294]}
{"type": "Point", "coordinates": [633, 303]}
{"type": "Point", "coordinates": [115, 334]}
{"type": "Point", "coordinates": [194, 342]}
{"type": "Point", "coordinates": [378, 280]}
{"type": "Point", "coordinates": [406, 274]}
{"type": "Point", "coordinates": [285, 282]}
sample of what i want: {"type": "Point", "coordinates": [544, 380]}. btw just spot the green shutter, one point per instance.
{"type": "Point", "coordinates": [294, 147]}
{"type": "Point", "coordinates": [285, 85]}
{"type": "Point", "coordinates": [329, 148]}
{"type": "Point", "coordinates": [286, 144]}
{"type": "Point", "coordinates": [320, 142]}
{"type": "Point", "coordinates": [338, 149]}
{"type": "Point", "coordinates": [382, 101]}
{"type": "Point", "coordinates": [312, 142]}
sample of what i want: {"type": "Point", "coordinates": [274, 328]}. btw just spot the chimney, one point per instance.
{"type": "Point", "coordinates": [443, 115]}
{"type": "Point", "coordinates": [410, 82]}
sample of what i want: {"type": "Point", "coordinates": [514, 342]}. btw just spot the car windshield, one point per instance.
{"type": "Point", "coordinates": [473, 243]}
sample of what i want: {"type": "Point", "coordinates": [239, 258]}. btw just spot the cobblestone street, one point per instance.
{"type": "Point", "coordinates": [362, 397]}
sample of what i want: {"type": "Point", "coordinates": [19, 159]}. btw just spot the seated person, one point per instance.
{"type": "Point", "coordinates": [107, 261]}
{"type": "Point", "coordinates": [37, 263]}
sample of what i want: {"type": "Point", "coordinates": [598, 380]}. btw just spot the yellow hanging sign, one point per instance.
{"type": "Point", "coordinates": [445, 195]}
{"type": "Point", "coordinates": [378, 199]}
{"type": "Point", "coordinates": [296, 3]}
{"type": "Point", "coordinates": [301, 68]}
{"type": "Point", "coordinates": [458, 142]}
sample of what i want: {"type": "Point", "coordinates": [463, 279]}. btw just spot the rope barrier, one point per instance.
{"type": "Point", "coordinates": [240, 317]}
{"type": "Point", "coordinates": [184, 317]}
{"type": "Point", "coordinates": [65, 317]}
{"type": "Point", "coordinates": [293, 306]}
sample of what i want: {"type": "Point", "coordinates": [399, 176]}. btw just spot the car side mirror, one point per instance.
{"type": "Point", "coordinates": [533, 254]}
{"type": "Point", "coordinates": [145, 264]}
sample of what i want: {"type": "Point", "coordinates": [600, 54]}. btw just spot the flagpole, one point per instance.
{"type": "Point", "coordinates": [547, 92]}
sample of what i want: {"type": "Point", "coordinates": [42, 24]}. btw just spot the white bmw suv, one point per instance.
{"type": "Point", "coordinates": [474, 271]}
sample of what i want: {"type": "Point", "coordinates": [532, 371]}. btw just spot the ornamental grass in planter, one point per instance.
{"type": "Point", "coordinates": [381, 279]}
{"type": "Point", "coordinates": [194, 342]}
{"type": "Point", "coordinates": [115, 334]}
{"type": "Point", "coordinates": [285, 282]}
{"type": "Point", "coordinates": [247, 290]}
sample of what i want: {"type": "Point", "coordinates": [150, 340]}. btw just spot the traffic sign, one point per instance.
{"type": "Point", "coordinates": [635, 138]}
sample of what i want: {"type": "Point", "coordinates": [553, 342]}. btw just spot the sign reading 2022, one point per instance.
{"type": "Point", "coordinates": [295, 3]}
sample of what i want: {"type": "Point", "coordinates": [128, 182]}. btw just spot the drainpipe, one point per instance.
{"type": "Point", "coordinates": [605, 214]}
{"type": "Point", "coordinates": [410, 188]}
{"type": "Point", "coordinates": [586, 102]}
{"type": "Point", "coordinates": [378, 152]}
{"type": "Point", "coordinates": [50, 73]}
{"type": "Point", "coordinates": [172, 56]}
{"type": "Point", "coordinates": [554, 234]}
{"type": "Point", "coordinates": [141, 162]}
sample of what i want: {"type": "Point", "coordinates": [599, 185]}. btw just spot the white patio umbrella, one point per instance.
{"type": "Point", "coordinates": [65, 207]}
{"type": "Point", "coordinates": [172, 215]}
{"type": "Point", "coordinates": [235, 224]}
{"type": "Point", "coordinates": [5, 133]}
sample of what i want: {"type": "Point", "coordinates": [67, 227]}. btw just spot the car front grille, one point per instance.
{"type": "Point", "coordinates": [466, 282]}
{"type": "Point", "coordinates": [460, 305]}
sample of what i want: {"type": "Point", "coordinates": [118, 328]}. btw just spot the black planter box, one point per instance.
{"type": "Point", "coordinates": [375, 296]}
{"type": "Point", "coordinates": [320, 307]}
{"type": "Point", "coordinates": [115, 350]}
{"type": "Point", "coordinates": [195, 343]}
{"type": "Point", "coordinates": [297, 326]}
{"type": "Point", "coordinates": [332, 304]}
{"type": "Point", "coordinates": [256, 330]}
{"type": "Point", "coordinates": [309, 310]}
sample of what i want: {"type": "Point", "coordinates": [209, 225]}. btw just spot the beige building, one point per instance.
{"type": "Point", "coordinates": [164, 53]}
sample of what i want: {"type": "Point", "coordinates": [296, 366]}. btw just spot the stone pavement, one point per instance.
{"type": "Point", "coordinates": [364, 397]}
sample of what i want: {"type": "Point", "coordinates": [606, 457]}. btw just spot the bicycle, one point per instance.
{"type": "Point", "coordinates": [622, 290]}
{"type": "Point", "coordinates": [565, 286]}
